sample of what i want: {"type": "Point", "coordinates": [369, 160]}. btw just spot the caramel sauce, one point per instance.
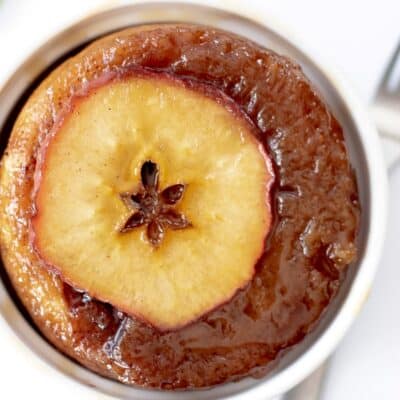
{"type": "Point", "coordinates": [316, 214]}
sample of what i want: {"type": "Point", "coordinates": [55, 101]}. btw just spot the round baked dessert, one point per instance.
{"type": "Point", "coordinates": [177, 206]}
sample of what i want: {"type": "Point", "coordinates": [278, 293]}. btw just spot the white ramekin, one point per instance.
{"type": "Point", "coordinates": [364, 148]}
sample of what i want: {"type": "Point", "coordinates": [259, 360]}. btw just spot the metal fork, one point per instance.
{"type": "Point", "coordinates": [386, 108]}
{"type": "Point", "coordinates": [385, 111]}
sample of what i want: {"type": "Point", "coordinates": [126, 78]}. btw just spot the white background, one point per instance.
{"type": "Point", "coordinates": [357, 37]}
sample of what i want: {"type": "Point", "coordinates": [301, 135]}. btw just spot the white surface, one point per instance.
{"type": "Point", "coordinates": [358, 41]}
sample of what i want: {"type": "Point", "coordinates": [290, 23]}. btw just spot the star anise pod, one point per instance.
{"type": "Point", "coordinates": [153, 208]}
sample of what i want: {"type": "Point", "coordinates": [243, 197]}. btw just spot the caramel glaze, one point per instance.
{"type": "Point", "coordinates": [316, 215]}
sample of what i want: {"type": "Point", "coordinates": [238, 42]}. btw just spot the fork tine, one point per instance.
{"type": "Point", "coordinates": [389, 70]}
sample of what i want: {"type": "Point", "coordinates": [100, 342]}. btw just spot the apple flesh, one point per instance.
{"type": "Point", "coordinates": [198, 138]}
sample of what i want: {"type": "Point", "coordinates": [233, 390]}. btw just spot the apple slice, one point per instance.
{"type": "Point", "coordinates": [153, 195]}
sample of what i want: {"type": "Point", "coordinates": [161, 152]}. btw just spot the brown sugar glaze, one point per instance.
{"type": "Point", "coordinates": [316, 215]}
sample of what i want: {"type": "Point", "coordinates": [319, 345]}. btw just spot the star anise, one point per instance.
{"type": "Point", "coordinates": [153, 208]}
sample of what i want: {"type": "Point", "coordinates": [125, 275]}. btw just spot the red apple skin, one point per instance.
{"type": "Point", "coordinates": [125, 74]}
